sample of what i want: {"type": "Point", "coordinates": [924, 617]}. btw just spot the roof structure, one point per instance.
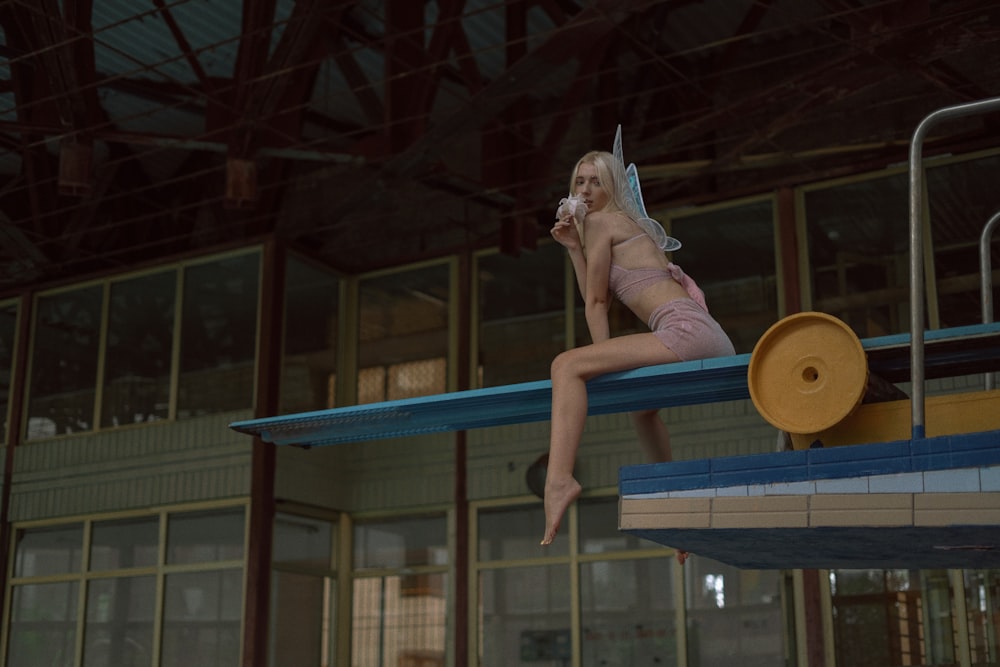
{"type": "Point", "coordinates": [380, 132]}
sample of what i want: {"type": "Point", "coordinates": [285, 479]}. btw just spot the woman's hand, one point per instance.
{"type": "Point", "coordinates": [566, 233]}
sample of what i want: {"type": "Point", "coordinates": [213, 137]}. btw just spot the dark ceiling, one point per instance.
{"type": "Point", "coordinates": [375, 133]}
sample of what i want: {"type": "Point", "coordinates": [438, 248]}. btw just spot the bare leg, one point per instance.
{"type": "Point", "coordinates": [569, 412]}
{"type": "Point", "coordinates": [570, 372]}
{"type": "Point", "coordinates": [654, 438]}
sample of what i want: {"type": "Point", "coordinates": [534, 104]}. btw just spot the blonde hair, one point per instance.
{"type": "Point", "coordinates": [602, 161]}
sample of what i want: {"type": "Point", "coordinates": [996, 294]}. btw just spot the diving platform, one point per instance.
{"type": "Point", "coordinates": [969, 349]}
{"type": "Point", "coordinates": [927, 503]}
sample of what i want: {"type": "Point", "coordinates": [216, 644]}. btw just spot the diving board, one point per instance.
{"type": "Point", "coordinates": [955, 351]}
{"type": "Point", "coordinates": [687, 383]}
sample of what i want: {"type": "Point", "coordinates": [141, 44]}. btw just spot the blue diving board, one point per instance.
{"type": "Point", "coordinates": [686, 383]}
{"type": "Point", "coordinates": [954, 351]}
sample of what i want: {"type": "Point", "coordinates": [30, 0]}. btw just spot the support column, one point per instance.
{"type": "Point", "coordinates": [262, 506]}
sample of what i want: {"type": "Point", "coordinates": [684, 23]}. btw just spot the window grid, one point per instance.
{"type": "Point", "coordinates": [84, 580]}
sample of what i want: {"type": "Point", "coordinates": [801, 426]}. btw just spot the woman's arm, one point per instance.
{"type": "Point", "coordinates": [567, 234]}
{"type": "Point", "coordinates": [596, 296]}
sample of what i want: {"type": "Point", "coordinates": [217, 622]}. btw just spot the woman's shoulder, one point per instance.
{"type": "Point", "coordinates": [611, 219]}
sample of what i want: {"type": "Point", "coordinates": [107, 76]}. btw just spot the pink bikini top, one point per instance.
{"type": "Point", "coordinates": [626, 284]}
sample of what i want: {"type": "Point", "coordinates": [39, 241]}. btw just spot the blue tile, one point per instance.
{"type": "Point", "coordinates": [656, 484]}
{"type": "Point", "coordinates": [952, 481]}
{"type": "Point", "coordinates": [790, 489]}
{"type": "Point", "coordinates": [759, 476]}
{"type": "Point", "coordinates": [662, 470]}
{"type": "Point", "coordinates": [980, 440]}
{"type": "Point", "coordinates": [843, 485]}
{"type": "Point", "coordinates": [989, 478]}
{"type": "Point", "coordinates": [743, 490]}
{"type": "Point", "coordinates": [941, 460]}
{"type": "Point", "coordinates": [974, 458]}
{"type": "Point", "coordinates": [770, 460]}
{"type": "Point", "coordinates": [907, 482]}
{"type": "Point", "coordinates": [693, 493]}
{"type": "Point", "coordinates": [875, 450]}
{"type": "Point", "coordinates": [865, 467]}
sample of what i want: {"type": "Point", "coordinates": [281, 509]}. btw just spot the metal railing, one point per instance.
{"type": "Point", "coordinates": [917, 248]}
{"type": "Point", "coordinates": [986, 279]}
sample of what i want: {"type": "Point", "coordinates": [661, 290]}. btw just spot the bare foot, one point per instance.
{"type": "Point", "coordinates": [558, 497]}
{"type": "Point", "coordinates": [681, 556]}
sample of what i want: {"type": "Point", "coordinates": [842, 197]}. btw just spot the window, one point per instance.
{"type": "Point", "coordinates": [309, 364]}
{"type": "Point", "coordinates": [522, 314]}
{"type": "Point", "coordinates": [130, 325]}
{"type": "Point", "coordinates": [303, 592]}
{"type": "Point", "coordinates": [892, 617]}
{"type": "Point", "coordinates": [403, 334]}
{"type": "Point", "coordinates": [982, 604]}
{"type": "Point", "coordinates": [734, 616]}
{"type": "Point", "coordinates": [118, 565]}
{"type": "Point", "coordinates": [139, 350]}
{"type": "Point", "coordinates": [961, 199]}
{"type": "Point", "coordinates": [64, 362]}
{"type": "Point", "coordinates": [524, 606]}
{"type": "Point", "coordinates": [400, 592]}
{"type": "Point", "coordinates": [730, 252]}
{"type": "Point", "coordinates": [218, 335]}
{"type": "Point", "coordinates": [628, 595]}
{"type": "Point", "coordinates": [858, 236]}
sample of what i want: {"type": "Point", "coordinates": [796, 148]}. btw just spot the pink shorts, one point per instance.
{"type": "Point", "coordinates": [687, 329]}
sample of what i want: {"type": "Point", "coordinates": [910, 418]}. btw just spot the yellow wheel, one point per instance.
{"type": "Point", "coordinates": [807, 373]}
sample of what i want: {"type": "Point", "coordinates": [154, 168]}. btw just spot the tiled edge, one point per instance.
{"type": "Point", "coordinates": [886, 510]}
{"type": "Point", "coordinates": [961, 480]}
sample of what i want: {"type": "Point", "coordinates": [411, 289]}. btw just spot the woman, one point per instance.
{"type": "Point", "coordinates": [614, 252]}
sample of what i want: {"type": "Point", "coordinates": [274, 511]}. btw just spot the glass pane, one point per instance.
{"type": "Point", "coordinates": [892, 617]}
{"type": "Point", "coordinates": [120, 614]}
{"type": "Point", "coordinates": [961, 199]}
{"type": "Point", "coordinates": [303, 541]}
{"type": "Point", "coordinates": [125, 543]}
{"type": "Point", "coordinates": [64, 363]}
{"type": "Point", "coordinates": [735, 616]}
{"type": "Point", "coordinates": [395, 624]}
{"type": "Point", "coordinates": [730, 254]}
{"type": "Point", "coordinates": [514, 533]}
{"type": "Point", "coordinates": [858, 237]}
{"type": "Point", "coordinates": [204, 537]}
{"type": "Point", "coordinates": [404, 543]}
{"type": "Point", "coordinates": [201, 619]}
{"type": "Point", "coordinates": [982, 601]}
{"type": "Point", "coordinates": [404, 319]}
{"type": "Point", "coordinates": [43, 624]}
{"type": "Point", "coordinates": [139, 350]}
{"type": "Point", "coordinates": [43, 551]}
{"type": "Point", "coordinates": [522, 315]}
{"type": "Point", "coordinates": [8, 333]}
{"type": "Point", "coordinates": [525, 617]}
{"type": "Point", "coordinates": [627, 615]}
{"type": "Point", "coordinates": [310, 359]}
{"type": "Point", "coordinates": [302, 620]}
{"type": "Point", "coordinates": [599, 529]}
{"type": "Point", "coordinates": [218, 336]}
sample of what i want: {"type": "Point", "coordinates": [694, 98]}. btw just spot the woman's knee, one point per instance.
{"type": "Point", "coordinates": [565, 364]}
